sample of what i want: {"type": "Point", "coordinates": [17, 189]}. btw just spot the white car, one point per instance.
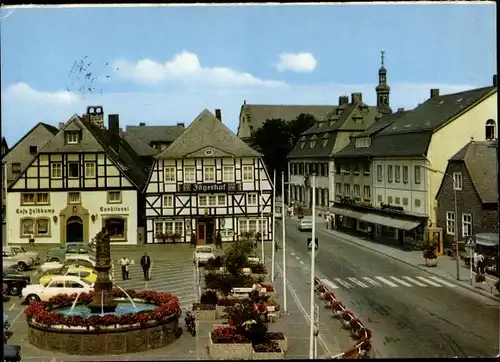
{"type": "Point", "coordinates": [85, 260]}
{"type": "Point", "coordinates": [31, 254]}
{"type": "Point", "coordinates": [202, 254]}
{"type": "Point", "coordinates": [305, 223]}
{"type": "Point", "coordinates": [59, 284]}
{"type": "Point", "coordinates": [23, 262]}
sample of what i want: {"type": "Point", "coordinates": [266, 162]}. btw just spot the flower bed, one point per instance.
{"type": "Point", "coordinates": [225, 343]}
{"type": "Point", "coordinates": [41, 313]}
{"type": "Point", "coordinates": [258, 268]}
{"type": "Point", "coordinates": [280, 338]}
{"type": "Point", "coordinates": [205, 312]}
{"type": "Point", "coordinates": [268, 350]}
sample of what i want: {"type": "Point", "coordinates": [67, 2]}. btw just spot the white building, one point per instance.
{"type": "Point", "coordinates": [208, 181]}
{"type": "Point", "coordinates": [84, 178]}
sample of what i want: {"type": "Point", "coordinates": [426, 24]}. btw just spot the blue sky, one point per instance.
{"type": "Point", "coordinates": [163, 65]}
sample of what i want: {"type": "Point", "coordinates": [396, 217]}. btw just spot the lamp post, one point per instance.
{"type": "Point", "coordinates": [283, 237]}
{"type": "Point", "coordinates": [274, 227]}
{"type": "Point", "coordinates": [262, 227]}
{"type": "Point", "coordinates": [455, 237]}
{"type": "Point", "coordinates": [313, 262]}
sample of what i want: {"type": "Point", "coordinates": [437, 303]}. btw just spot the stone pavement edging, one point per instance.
{"type": "Point", "coordinates": [367, 246]}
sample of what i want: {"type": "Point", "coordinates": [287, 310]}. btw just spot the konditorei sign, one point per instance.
{"type": "Point", "coordinates": [209, 188]}
{"type": "Point", "coordinates": [114, 209]}
{"type": "Point", "coordinates": [34, 211]}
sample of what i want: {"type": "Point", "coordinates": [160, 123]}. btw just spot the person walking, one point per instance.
{"type": "Point", "coordinates": [480, 263]}
{"type": "Point", "coordinates": [146, 265]}
{"type": "Point", "coordinates": [32, 240]}
{"type": "Point", "coordinates": [475, 262]}
{"type": "Point", "coordinates": [125, 264]}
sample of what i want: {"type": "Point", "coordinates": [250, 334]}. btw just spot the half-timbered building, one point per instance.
{"type": "Point", "coordinates": [85, 177]}
{"type": "Point", "coordinates": [208, 181]}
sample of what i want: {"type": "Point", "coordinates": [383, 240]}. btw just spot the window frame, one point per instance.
{"type": "Point", "coordinates": [71, 163]}
{"type": "Point", "coordinates": [405, 174]}
{"type": "Point", "coordinates": [347, 190]}
{"type": "Point", "coordinates": [369, 193]}
{"type": "Point", "coordinates": [389, 173]}
{"type": "Point", "coordinates": [457, 181]}
{"type": "Point", "coordinates": [209, 171]}
{"type": "Point", "coordinates": [53, 169]}
{"type": "Point", "coordinates": [397, 174]}
{"type": "Point", "coordinates": [21, 224]}
{"type": "Point", "coordinates": [249, 197]}
{"type": "Point", "coordinates": [86, 168]}
{"type": "Point", "coordinates": [169, 174]}
{"type": "Point", "coordinates": [245, 170]}
{"type": "Point", "coordinates": [37, 226]}
{"type": "Point", "coordinates": [72, 201]}
{"type": "Point", "coordinates": [37, 198]}
{"type": "Point", "coordinates": [69, 138]}
{"type": "Point", "coordinates": [187, 172]}
{"type": "Point", "coordinates": [417, 174]}
{"type": "Point", "coordinates": [450, 221]}
{"type": "Point", "coordinates": [125, 224]}
{"type": "Point", "coordinates": [24, 203]}
{"type": "Point", "coordinates": [168, 201]}
{"type": "Point", "coordinates": [110, 201]}
{"type": "Point", "coordinates": [356, 190]}
{"type": "Point", "coordinates": [225, 174]}
{"type": "Point", "coordinates": [380, 173]}
{"type": "Point", "coordinates": [467, 222]}
{"type": "Point", "coordinates": [204, 203]}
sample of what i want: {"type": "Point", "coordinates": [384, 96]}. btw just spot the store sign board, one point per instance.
{"type": "Point", "coordinates": [115, 209]}
{"type": "Point", "coordinates": [35, 211]}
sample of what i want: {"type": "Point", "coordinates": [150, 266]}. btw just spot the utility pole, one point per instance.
{"type": "Point", "coordinates": [274, 227]}
{"type": "Point", "coordinates": [284, 239]}
{"type": "Point", "coordinates": [313, 262]}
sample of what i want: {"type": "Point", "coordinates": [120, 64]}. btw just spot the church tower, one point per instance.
{"type": "Point", "coordinates": [383, 89]}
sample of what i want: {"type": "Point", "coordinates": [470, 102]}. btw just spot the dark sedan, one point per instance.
{"type": "Point", "coordinates": [15, 282]}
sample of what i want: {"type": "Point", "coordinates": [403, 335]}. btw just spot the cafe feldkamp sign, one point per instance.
{"type": "Point", "coordinates": [114, 209]}
{"type": "Point", "coordinates": [35, 210]}
{"type": "Point", "coordinates": [208, 188]}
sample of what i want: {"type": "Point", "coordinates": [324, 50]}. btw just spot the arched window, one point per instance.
{"type": "Point", "coordinates": [490, 129]}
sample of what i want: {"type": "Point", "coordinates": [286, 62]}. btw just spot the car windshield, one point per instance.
{"type": "Point", "coordinates": [86, 282]}
{"type": "Point", "coordinates": [204, 250]}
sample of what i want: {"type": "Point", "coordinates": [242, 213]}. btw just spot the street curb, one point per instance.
{"type": "Point", "coordinates": [479, 291]}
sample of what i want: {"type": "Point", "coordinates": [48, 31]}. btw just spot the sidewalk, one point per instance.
{"type": "Point", "coordinates": [446, 268]}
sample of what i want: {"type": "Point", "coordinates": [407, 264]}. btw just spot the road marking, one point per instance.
{"type": "Point", "coordinates": [372, 282]}
{"type": "Point", "coordinates": [304, 313]}
{"type": "Point", "coordinates": [345, 284]}
{"type": "Point", "coordinates": [301, 262]}
{"type": "Point", "coordinates": [35, 273]}
{"type": "Point", "coordinates": [329, 283]}
{"type": "Point", "coordinates": [297, 258]}
{"type": "Point", "coordinates": [416, 282]}
{"type": "Point", "coordinates": [443, 282]}
{"type": "Point", "coordinates": [430, 282]}
{"type": "Point", "coordinates": [293, 254]}
{"type": "Point", "coordinates": [401, 282]}
{"type": "Point", "coordinates": [354, 280]}
{"type": "Point", "coordinates": [388, 282]}
{"type": "Point", "coordinates": [17, 317]}
{"type": "Point", "coordinates": [12, 307]}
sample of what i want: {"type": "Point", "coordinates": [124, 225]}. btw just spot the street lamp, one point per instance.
{"type": "Point", "coordinates": [274, 227]}
{"type": "Point", "coordinates": [283, 233]}
{"type": "Point", "coordinates": [313, 261]}
{"type": "Point", "coordinates": [455, 237]}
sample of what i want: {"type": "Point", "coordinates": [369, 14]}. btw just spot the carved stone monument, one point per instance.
{"type": "Point", "coordinates": [103, 299]}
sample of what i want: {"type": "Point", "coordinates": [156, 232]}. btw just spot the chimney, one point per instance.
{"type": "Point", "coordinates": [356, 97]}
{"type": "Point", "coordinates": [218, 114]}
{"type": "Point", "coordinates": [343, 100]}
{"type": "Point", "coordinates": [114, 124]}
{"type": "Point", "coordinates": [401, 109]}
{"type": "Point", "coordinates": [142, 124]}
{"type": "Point", "coordinates": [61, 125]}
{"type": "Point", "coordinates": [96, 115]}
{"type": "Point", "coordinates": [434, 93]}
{"type": "Point", "coordinates": [495, 81]}
{"type": "Point", "coordinates": [245, 101]}
{"type": "Point", "coordinates": [121, 132]}
{"type": "Point", "coordinates": [181, 125]}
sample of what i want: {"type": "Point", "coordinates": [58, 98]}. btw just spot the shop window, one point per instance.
{"type": "Point", "coordinates": [117, 228]}
{"type": "Point", "coordinates": [27, 227]}
{"type": "Point", "coordinates": [42, 227]}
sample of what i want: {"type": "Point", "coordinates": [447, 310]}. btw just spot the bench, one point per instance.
{"type": "Point", "coordinates": [241, 290]}
{"type": "Point", "coordinates": [252, 260]}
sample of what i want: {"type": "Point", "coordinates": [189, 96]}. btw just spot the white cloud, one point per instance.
{"type": "Point", "coordinates": [185, 67]}
{"type": "Point", "coordinates": [23, 106]}
{"type": "Point", "coordinates": [297, 62]}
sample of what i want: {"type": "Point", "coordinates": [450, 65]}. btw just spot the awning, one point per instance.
{"type": "Point", "coordinates": [390, 222]}
{"type": "Point", "coordinates": [346, 212]}
{"type": "Point", "coordinates": [487, 239]}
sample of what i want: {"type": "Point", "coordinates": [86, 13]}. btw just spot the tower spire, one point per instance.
{"type": "Point", "coordinates": [382, 89]}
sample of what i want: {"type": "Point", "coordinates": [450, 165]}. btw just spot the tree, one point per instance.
{"type": "Point", "coordinates": [299, 125]}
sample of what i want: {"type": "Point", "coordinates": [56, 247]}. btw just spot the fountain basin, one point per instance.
{"type": "Point", "coordinates": [51, 326]}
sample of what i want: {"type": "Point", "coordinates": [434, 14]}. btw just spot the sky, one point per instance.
{"type": "Point", "coordinates": [164, 65]}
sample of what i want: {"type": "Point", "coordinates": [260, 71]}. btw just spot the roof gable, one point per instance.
{"type": "Point", "coordinates": [53, 130]}
{"type": "Point", "coordinates": [207, 131]}
{"type": "Point", "coordinates": [208, 152]}
{"type": "Point", "coordinates": [141, 137]}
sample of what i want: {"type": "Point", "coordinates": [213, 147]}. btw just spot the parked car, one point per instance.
{"type": "Point", "coordinates": [23, 262]}
{"type": "Point", "coordinates": [21, 250]}
{"type": "Point", "coordinates": [11, 353]}
{"type": "Point", "coordinates": [9, 266]}
{"type": "Point", "coordinates": [60, 254]}
{"type": "Point", "coordinates": [75, 270]}
{"type": "Point", "coordinates": [88, 261]}
{"type": "Point", "coordinates": [202, 254]}
{"type": "Point", "coordinates": [59, 284]}
{"type": "Point", "coordinates": [5, 295]}
{"type": "Point", "coordinates": [15, 282]}
{"type": "Point", "coordinates": [305, 223]}
{"type": "Point", "coordinates": [7, 333]}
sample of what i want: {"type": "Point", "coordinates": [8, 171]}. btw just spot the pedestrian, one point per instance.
{"type": "Point", "coordinates": [146, 265]}
{"type": "Point", "coordinates": [480, 263]}
{"type": "Point", "coordinates": [32, 240]}
{"type": "Point", "coordinates": [125, 264]}
{"type": "Point", "coordinates": [332, 220]}
{"type": "Point", "coordinates": [475, 261]}
{"type": "Point", "coordinates": [276, 246]}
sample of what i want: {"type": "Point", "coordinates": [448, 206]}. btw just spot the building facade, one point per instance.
{"type": "Point", "coordinates": [208, 181]}
{"type": "Point", "coordinates": [472, 176]}
{"type": "Point", "coordinates": [405, 145]}
{"type": "Point", "coordinates": [82, 179]}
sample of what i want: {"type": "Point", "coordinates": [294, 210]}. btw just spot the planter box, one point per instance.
{"type": "Point", "coordinates": [229, 351]}
{"type": "Point", "coordinates": [205, 315]}
{"type": "Point", "coordinates": [268, 355]}
{"type": "Point", "coordinates": [431, 262]}
{"type": "Point", "coordinates": [264, 276]}
{"type": "Point", "coordinates": [220, 311]}
{"type": "Point", "coordinates": [272, 295]}
{"type": "Point", "coordinates": [283, 343]}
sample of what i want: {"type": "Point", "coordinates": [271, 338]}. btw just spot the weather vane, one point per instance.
{"type": "Point", "coordinates": [382, 56]}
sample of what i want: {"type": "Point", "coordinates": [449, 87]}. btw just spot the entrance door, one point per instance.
{"type": "Point", "coordinates": [201, 234]}
{"type": "Point", "coordinates": [205, 231]}
{"type": "Point", "coordinates": [74, 230]}
{"type": "Point", "coordinates": [210, 232]}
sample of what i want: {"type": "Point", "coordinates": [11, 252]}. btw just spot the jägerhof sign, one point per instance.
{"type": "Point", "coordinates": [208, 188]}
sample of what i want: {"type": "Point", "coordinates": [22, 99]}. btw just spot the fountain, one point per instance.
{"type": "Point", "coordinates": [107, 320]}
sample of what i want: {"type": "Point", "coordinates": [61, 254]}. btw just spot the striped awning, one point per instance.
{"type": "Point", "coordinates": [391, 222]}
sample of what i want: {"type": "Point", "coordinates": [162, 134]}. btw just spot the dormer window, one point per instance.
{"type": "Point", "coordinates": [363, 142]}
{"type": "Point", "coordinates": [320, 124]}
{"type": "Point", "coordinates": [324, 140]}
{"type": "Point", "coordinates": [358, 120]}
{"type": "Point", "coordinates": [72, 138]}
{"type": "Point", "coordinates": [302, 142]}
{"type": "Point", "coordinates": [312, 142]}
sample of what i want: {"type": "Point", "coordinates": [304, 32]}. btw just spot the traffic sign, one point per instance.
{"type": "Point", "coordinates": [316, 318]}
{"type": "Point", "coordinates": [310, 246]}
{"type": "Point", "coordinates": [470, 241]}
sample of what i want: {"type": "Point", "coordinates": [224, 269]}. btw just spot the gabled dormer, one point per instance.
{"type": "Point", "coordinates": [302, 142]}
{"type": "Point", "coordinates": [363, 142]}
{"type": "Point", "coordinates": [324, 139]}
{"type": "Point", "coordinates": [312, 141]}
{"type": "Point", "coordinates": [72, 134]}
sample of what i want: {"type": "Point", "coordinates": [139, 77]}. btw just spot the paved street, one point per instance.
{"type": "Point", "coordinates": [411, 313]}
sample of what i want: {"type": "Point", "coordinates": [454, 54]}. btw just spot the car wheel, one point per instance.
{"type": "Point", "coordinates": [53, 260]}
{"type": "Point", "coordinates": [33, 298]}
{"type": "Point", "coordinates": [22, 266]}
{"type": "Point", "coordinates": [14, 290]}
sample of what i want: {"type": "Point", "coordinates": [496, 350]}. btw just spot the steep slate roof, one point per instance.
{"type": "Point", "coordinates": [207, 131]}
{"type": "Point", "coordinates": [140, 137]}
{"type": "Point", "coordinates": [257, 114]}
{"type": "Point", "coordinates": [95, 139]}
{"type": "Point", "coordinates": [480, 158]}
{"type": "Point", "coordinates": [410, 134]}
{"type": "Point", "coordinates": [49, 128]}
{"type": "Point", "coordinates": [343, 122]}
